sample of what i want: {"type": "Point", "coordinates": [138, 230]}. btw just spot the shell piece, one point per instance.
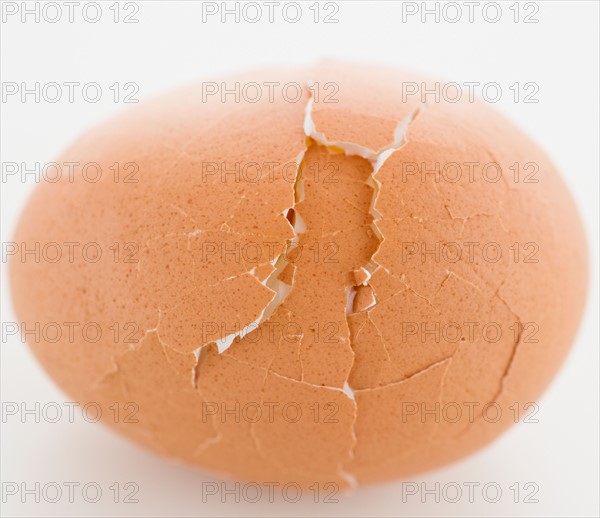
{"type": "Point", "coordinates": [300, 291]}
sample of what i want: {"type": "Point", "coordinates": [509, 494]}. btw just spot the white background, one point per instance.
{"type": "Point", "coordinates": [171, 46]}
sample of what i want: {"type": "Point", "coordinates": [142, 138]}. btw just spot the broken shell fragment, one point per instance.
{"type": "Point", "coordinates": [311, 291]}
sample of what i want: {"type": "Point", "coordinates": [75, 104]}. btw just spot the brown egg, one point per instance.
{"type": "Point", "coordinates": [345, 287]}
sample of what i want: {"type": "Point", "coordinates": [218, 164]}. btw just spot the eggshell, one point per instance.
{"type": "Point", "coordinates": [222, 344]}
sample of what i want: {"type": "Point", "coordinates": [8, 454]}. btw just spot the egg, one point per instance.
{"type": "Point", "coordinates": [347, 286]}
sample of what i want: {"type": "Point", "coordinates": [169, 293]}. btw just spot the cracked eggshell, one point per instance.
{"type": "Point", "coordinates": [330, 288]}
